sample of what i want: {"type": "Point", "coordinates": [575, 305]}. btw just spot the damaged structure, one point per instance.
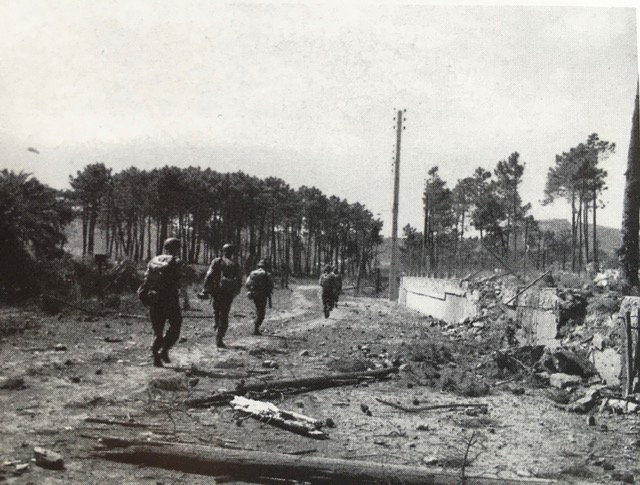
{"type": "Point", "coordinates": [544, 316]}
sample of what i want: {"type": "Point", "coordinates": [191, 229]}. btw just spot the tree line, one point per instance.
{"type": "Point", "coordinates": [134, 210]}
{"type": "Point", "coordinates": [483, 217]}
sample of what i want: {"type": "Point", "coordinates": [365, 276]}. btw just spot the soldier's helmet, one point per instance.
{"type": "Point", "coordinates": [228, 248]}
{"type": "Point", "coordinates": [263, 263]}
{"type": "Point", "coordinates": [327, 268]}
{"type": "Point", "coordinates": [171, 244]}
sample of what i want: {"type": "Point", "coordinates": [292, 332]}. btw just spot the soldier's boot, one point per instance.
{"type": "Point", "coordinates": [256, 330]}
{"type": "Point", "coordinates": [164, 356]}
{"type": "Point", "coordinates": [219, 343]}
{"type": "Point", "coordinates": [157, 360]}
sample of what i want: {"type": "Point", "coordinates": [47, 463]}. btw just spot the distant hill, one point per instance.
{"type": "Point", "coordinates": [609, 238]}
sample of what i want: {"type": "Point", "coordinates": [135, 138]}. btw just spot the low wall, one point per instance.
{"type": "Point", "coordinates": [448, 300]}
{"type": "Point", "coordinates": [536, 310]}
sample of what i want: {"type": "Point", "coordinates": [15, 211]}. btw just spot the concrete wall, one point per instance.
{"type": "Point", "coordinates": [448, 300]}
{"type": "Point", "coordinates": [536, 310]}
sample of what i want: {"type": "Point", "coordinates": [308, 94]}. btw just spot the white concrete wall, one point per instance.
{"type": "Point", "coordinates": [448, 300]}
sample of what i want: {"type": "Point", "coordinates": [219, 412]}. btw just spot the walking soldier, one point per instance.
{"type": "Point", "coordinates": [160, 291]}
{"type": "Point", "coordinates": [222, 282]}
{"type": "Point", "coordinates": [328, 285]}
{"type": "Point", "coordinates": [259, 288]}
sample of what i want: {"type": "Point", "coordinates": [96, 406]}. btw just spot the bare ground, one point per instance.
{"type": "Point", "coordinates": [102, 369]}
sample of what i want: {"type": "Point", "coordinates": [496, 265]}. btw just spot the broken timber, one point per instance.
{"type": "Point", "coordinates": [268, 413]}
{"type": "Point", "coordinates": [417, 409]}
{"type": "Point", "coordinates": [254, 465]}
{"type": "Point", "coordinates": [291, 386]}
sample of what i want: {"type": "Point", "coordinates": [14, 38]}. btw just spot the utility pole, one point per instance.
{"type": "Point", "coordinates": [393, 283]}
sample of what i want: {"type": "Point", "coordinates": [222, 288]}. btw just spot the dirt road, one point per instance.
{"type": "Point", "coordinates": [73, 369]}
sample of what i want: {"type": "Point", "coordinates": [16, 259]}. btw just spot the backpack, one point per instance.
{"type": "Point", "coordinates": [258, 283]}
{"type": "Point", "coordinates": [327, 281]}
{"type": "Point", "coordinates": [159, 277]}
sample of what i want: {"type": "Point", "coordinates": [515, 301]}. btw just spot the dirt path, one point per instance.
{"type": "Point", "coordinates": [102, 369]}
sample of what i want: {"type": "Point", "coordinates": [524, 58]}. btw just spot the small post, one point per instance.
{"type": "Point", "coordinates": [629, 356]}
{"type": "Point", "coordinates": [637, 354]}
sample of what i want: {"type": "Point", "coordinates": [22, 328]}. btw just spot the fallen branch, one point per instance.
{"type": "Point", "coordinates": [127, 315]}
{"type": "Point", "coordinates": [71, 305]}
{"type": "Point", "coordinates": [128, 424]}
{"type": "Point", "coordinates": [268, 413]}
{"type": "Point", "coordinates": [145, 317]}
{"type": "Point", "coordinates": [417, 409]}
{"type": "Point", "coordinates": [218, 374]}
{"type": "Point", "coordinates": [292, 386]}
{"type": "Point", "coordinates": [514, 297]}
{"type": "Point", "coordinates": [256, 465]}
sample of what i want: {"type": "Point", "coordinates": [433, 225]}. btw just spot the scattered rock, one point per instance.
{"type": "Point", "coordinates": [60, 348]}
{"type": "Point", "coordinates": [270, 364]}
{"type": "Point", "coordinates": [591, 420]}
{"type": "Point", "coordinates": [518, 391]}
{"type": "Point", "coordinates": [586, 403]}
{"type": "Point", "coordinates": [48, 459]}
{"type": "Point", "coordinates": [168, 384]}
{"type": "Point", "coordinates": [329, 423]}
{"type": "Point", "coordinates": [12, 383]}
{"type": "Point", "coordinates": [364, 408]}
{"type": "Point", "coordinates": [75, 379]}
{"type": "Point", "coordinates": [304, 353]}
{"type": "Point", "coordinates": [562, 381]}
{"type": "Point", "coordinates": [624, 477]}
{"type": "Point", "coordinates": [568, 362]}
{"type": "Point", "coordinates": [559, 395]}
{"type": "Point", "coordinates": [422, 427]}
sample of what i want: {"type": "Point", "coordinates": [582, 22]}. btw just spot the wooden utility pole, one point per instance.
{"type": "Point", "coordinates": [393, 283]}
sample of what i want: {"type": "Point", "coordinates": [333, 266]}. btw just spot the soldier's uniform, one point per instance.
{"type": "Point", "coordinates": [223, 282]}
{"type": "Point", "coordinates": [338, 285]}
{"type": "Point", "coordinates": [259, 286]}
{"type": "Point", "coordinates": [328, 285]}
{"type": "Point", "coordinates": [162, 286]}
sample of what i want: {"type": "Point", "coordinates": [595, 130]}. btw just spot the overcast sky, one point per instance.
{"type": "Point", "coordinates": [307, 93]}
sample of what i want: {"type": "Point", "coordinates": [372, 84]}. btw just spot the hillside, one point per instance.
{"type": "Point", "coordinates": [608, 237]}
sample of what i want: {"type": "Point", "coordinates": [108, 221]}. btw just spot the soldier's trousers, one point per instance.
{"type": "Point", "coordinates": [221, 309]}
{"type": "Point", "coordinates": [166, 309]}
{"type": "Point", "coordinates": [261, 309]}
{"type": "Point", "coordinates": [328, 301]}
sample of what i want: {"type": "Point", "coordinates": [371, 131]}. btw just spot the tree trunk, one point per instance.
{"type": "Point", "coordinates": [259, 465]}
{"type": "Point", "coordinates": [628, 255]}
{"type": "Point", "coordinates": [595, 240]}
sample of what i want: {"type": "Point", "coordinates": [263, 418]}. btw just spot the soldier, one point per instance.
{"type": "Point", "coordinates": [338, 285]}
{"type": "Point", "coordinates": [260, 286]}
{"type": "Point", "coordinates": [160, 290]}
{"type": "Point", "coordinates": [222, 282]}
{"type": "Point", "coordinates": [328, 285]}
{"type": "Point", "coordinates": [284, 276]}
